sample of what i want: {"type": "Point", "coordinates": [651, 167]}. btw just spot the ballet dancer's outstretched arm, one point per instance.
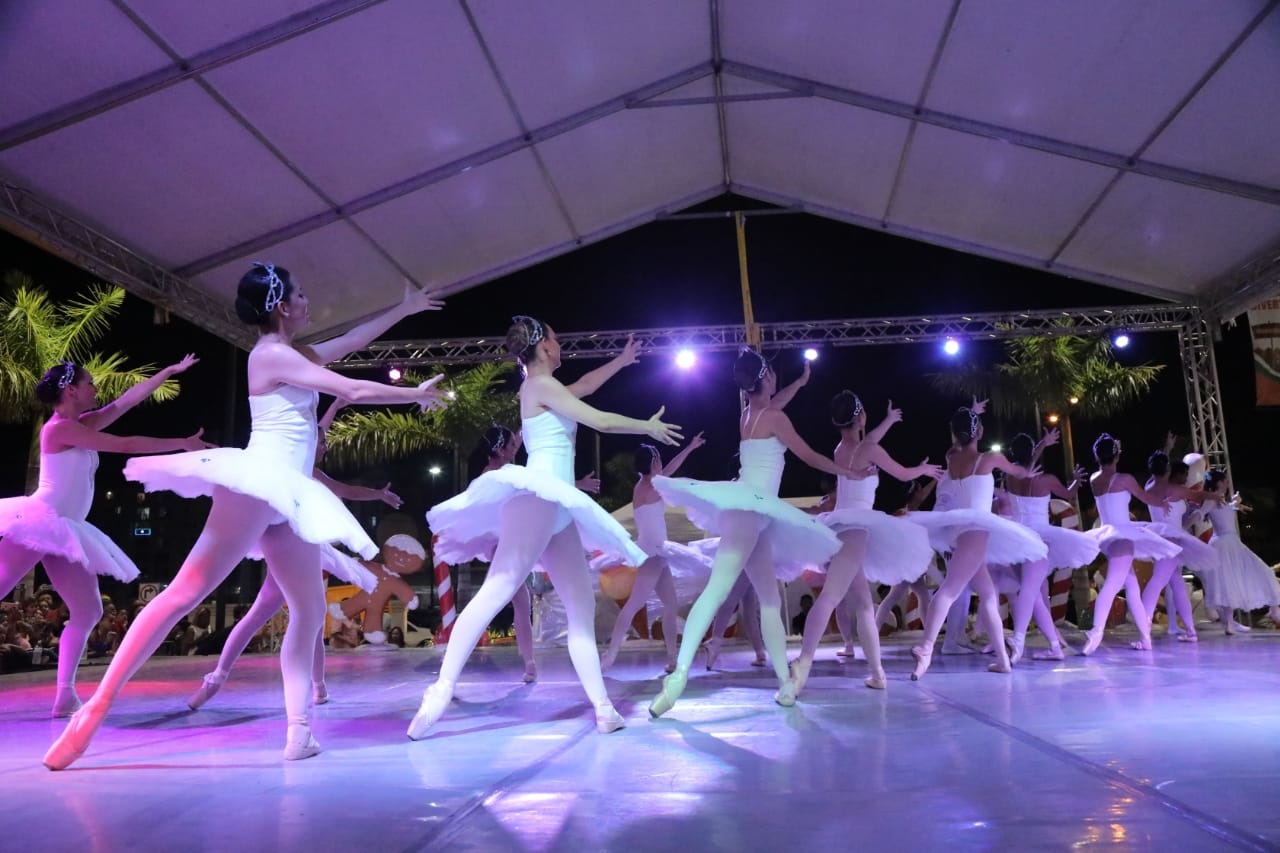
{"type": "Point", "coordinates": [1127, 483]}
{"type": "Point", "coordinates": [351, 492]}
{"type": "Point", "coordinates": [591, 381]}
{"type": "Point", "coordinates": [673, 466]}
{"type": "Point", "coordinates": [876, 455]}
{"type": "Point", "coordinates": [276, 364]}
{"type": "Point", "coordinates": [876, 435]}
{"type": "Point", "coordinates": [777, 422]}
{"type": "Point", "coordinates": [549, 393]}
{"type": "Point", "coordinates": [103, 417]}
{"type": "Point", "coordinates": [783, 398]}
{"type": "Point", "coordinates": [62, 434]}
{"type": "Point", "coordinates": [1067, 493]}
{"type": "Point", "coordinates": [412, 302]}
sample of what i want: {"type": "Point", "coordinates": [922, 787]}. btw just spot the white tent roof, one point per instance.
{"type": "Point", "coordinates": [355, 141]}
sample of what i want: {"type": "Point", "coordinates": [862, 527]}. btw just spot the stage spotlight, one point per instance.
{"type": "Point", "coordinates": [810, 354]}
{"type": "Point", "coordinates": [1053, 419]}
{"type": "Point", "coordinates": [951, 347]}
{"type": "Point", "coordinates": [434, 470]}
{"type": "Point", "coordinates": [1075, 401]}
{"type": "Point", "coordinates": [997, 448]}
{"type": "Point", "coordinates": [685, 359]}
{"type": "Point", "coordinates": [1121, 340]}
{"type": "Point", "coordinates": [395, 374]}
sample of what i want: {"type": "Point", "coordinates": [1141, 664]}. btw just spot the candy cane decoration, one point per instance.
{"type": "Point", "coordinates": [444, 591]}
{"type": "Point", "coordinates": [1060, 581]}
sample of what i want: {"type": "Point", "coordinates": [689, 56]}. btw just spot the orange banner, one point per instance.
{"type": "Point", "coordinates": [1264, 323]}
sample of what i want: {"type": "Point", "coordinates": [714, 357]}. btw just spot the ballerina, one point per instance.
{"type": "Point", "coordinates": [49, 526]}
{"type": "Point", "coordinates": [262, 495]}
{"type": "Point", "coordinates": [874, 546]}
{"type": "Point", "coordinates": [963, 523]}
{"type": "Point", "coordinates": [270, 599]}
{"type": "Point", "coordinates": [1167, 521]}
{"type": "Point", "coordinates": [655, 573]}
{"type": "Point", "coordinates": [533, 514]}
{"type": "Point", "coordinates": [1068, 549]}
{"type": "Point", "coordinates": [756, 527]}
{"type": "Point", "coordinates": [1122, 541]}
{"type": "Point", "coordinates": [1241, 580]}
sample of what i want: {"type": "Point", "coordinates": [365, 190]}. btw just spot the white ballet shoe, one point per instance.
{"type": "Point", "coordinates": [434, 701]}
{"type": "Point", "coordinates": [75, 738]}
{"type": "Point", "coordinates": [65, 703]}
{"type": "Point", "coordinates": [924, 657]}
{"type": "Point", "coordinates": [1049, 654]}
{"type": "Point", "coordinates": [530, 673]}
{"type": "Point", "coordinates": [672, 686]}
{"type": "Point", "coordinates": [335, 611]}
{"type": "Point", "coordinates": [1093, 639]}
{"type": "Point", "coordinates": [1016, 646]}
{"type": "Point", "coordinates": [800, 672]}
{"type": "Point", "coordinates": [958, 649]}
{"type": "Point", "coordinates": [1234, 627]}
{"type": "Point", "coordinates": [608, 719]}
{"type": "Point", "coordinates": [712, 648]}
{"type": "Point", "coordinates": [206, 691]}
{"type": "Point", "coordinates": [1000, 666]}
{"type": "Point", "coordinates": [319, 693]}
{"type": "Point", "coordinates": [847, 652]}
{"type": "Point", "coordinates": [786, 695]}
{"type": "Point", "coordinates": [300, 743]}
{"type": "Point", "coordinates": [876, 681]}
{"type": "Point", "coordinates": [1142, 644]}
{"type": "Point", "coordinates": [1188, 637]}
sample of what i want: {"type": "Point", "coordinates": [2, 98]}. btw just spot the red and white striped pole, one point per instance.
{"type": "Point", "coordinates": [444, 593]}
{"type": "Point", "coordinates": [1060, 580]}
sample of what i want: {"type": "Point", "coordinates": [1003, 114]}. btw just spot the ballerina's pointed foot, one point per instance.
{"type": "Point", "coordinates": [1186, 637]}
{"type": "Point", "coordinates": [1054, 653]}
{"type": "Point", "coordinates": [608, 658]}
{"type": "Point", "coordinates": [672, 686]}
{"type": "Point", "coordinates": [786, 695]}
{"type": "Point", "coordinates": [924, 657]}
{"type": "Point", "coordinates": [206, 691]}
{"type": "Point", "coordinates": [759, 661]}
{"type": "Point", "coordinates": [608, 719]}
{"type": "Point", "coordinates": [713, 651]}
{"type": "Point", "coordinates": [1234, 627]}
{"type": "Point", "coordinates": [75, 738]}
{"type": "Point", "coordinates": [1016, 647]}
{"type": "Point", "coordinates": [531, 672]}
{"type": "Point", "coordinates": [800, 672]}
{"type": "Point", "coordinates": [1141, 645]}
{"type": "Point", "coordinates": [65, 703]}
{"type": "Point", "coordinates": [300, 744]}
{"type": "Point", "coordinates": [434, 701]}
{"type": "Point", "coordinates": [876, 681]}
{"type": "Point", "coordinates": [670, 667]}
{"type": "Point", "coordinates": [847, 652]}
{"type": "Point", "coordinates": [319, 693]}
{"type": "Point", "coordinates": [957, 649]}
{"type": "Point", "coordinates": [1093, 639]}
{"type": "Point", "coordinates": [1000, 666]}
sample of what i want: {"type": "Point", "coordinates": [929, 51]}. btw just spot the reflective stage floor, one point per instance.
{"type": "Point", "coordinates": [1176, 749]}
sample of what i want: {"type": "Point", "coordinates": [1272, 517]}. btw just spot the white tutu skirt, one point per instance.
{"type": "Point", "coordinates": [690, 568]}
{"type": "Point", "coordinates": [1148, 544]}
{"type": "Point", "coordinates": [897, 549]}
{"type": "Point", "coordinates": [1008, 544]}
{"type": "Point", "coordinates": [342, 566]}
{"type": "Point", "coordinates": [1006, 579]}
{"type": "Point", "coordinates": [799, 541]}
{"type": "Point", "coordinates": [1196, 555]}
{"type": "Point", "coordinates": [1241, 580]}
{"type": "Point", "coordinates": [1068, 549]}
{"type": "Point", "coordinates": [35, 526]}
{"type": "Point", "coordinates": [466, 526]}
{"type": "Point", "coordinates": [310, 509]}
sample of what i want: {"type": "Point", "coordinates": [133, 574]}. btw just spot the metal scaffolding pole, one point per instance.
{"type": "Point", "coordinates": [1204, 397]}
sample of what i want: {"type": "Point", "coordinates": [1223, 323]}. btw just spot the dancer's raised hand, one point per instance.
{"type": "Point", "coordinates": [389, 497]}
{"type": "Point", "coordinates": [927, 469]}
{"type": "Point", "coordinates": [630, 352]}
{"type": "Point", "coordinates": [893, 415]}
{"type": "Point", "coordinates": [589, 484]}
{"type": "Point", "coordinates": [978, 407]}
{"type": "Point", "coordinates": [429, 397]}
{"type": "Point", "coordinates": [188, 361]}
{"type": "Point", "coordinates": [1051, 437]}
{"type": "Point", "coordinates": [415, 299]}
{"type": "Point", "coordinates": [696, 442]}
{"type": "Point", "coordinates": [659, 431]}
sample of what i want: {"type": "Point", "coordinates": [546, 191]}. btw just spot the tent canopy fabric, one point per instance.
{"type": "Point", "coordinates": [360, 142]}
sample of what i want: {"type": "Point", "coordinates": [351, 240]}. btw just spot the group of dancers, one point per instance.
{"type": "Point", "coordinates": [269, 500]}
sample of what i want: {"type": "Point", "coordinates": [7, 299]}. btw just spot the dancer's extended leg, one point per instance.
{"type": "Point", "coordinates": [666, 589]}
{"type": "Point", "coordinates": [724, 615]}
{"type": "Point", "coordinates": [989, 613]}
{"type": "Point", "coordinates": [842, 569]}
{"type": "Point", "coordinates": [79, 590]}
{"type": "Point", "coordinates": [647, 574]}
{"type": "Point", "coordinates": [266, 605]}
{"type": "Point", "coordinates": [966, 559]}
{"type": "Point", "coordinates": [522, 623]}
{"type": "Point", "coordinates": [1024, 606]}
{"type": "Point", "coordinates": [1119, 568]}
{"type": "Point", "coordinates": [759, 569]}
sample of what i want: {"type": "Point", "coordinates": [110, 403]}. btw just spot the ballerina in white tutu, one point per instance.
{"type": "Point", "coordinates": [1166, 483]}
{"type": "Point", "coordinates": [1240, 580]}
{"type": "Point", "coordinates": [655, 573]}
{"type": "Point", "coordinates": [963, 523]}
{"type": "Point", "coordinates": [270, 599]}
{"type": "Point", "coordinates": [49, 526]}
{"type": "Point", "coordinates": [1068, 549]}
{"type": "Point", "coordinates": [262, 495]}
{"type": "Point", "coordinates": [874, 547]}
{"type": "Point", "coordinates": [1122, 541]}
{"type": "Point", "coordinates": [533, 514]}
{"type": "Point", "coordinates": [760, 533]}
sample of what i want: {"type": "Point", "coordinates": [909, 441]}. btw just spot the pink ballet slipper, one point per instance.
{"type": "Point", "coordinates": [672, 686]}
{"type": "Point", "coordinates": [999, 666]}
{"type": "Point", "coordinates": [759, 661]}
{"type": "Point", "coordinates": [924, 657]}
{"type": "Point", "coordinates": [1054, 653]}
{"type": "Point", "coordinates": [1093, 639]}
{"type": "Point", "coordinates": [65, 703]}
{"type": "Point", "coordinates": [876, 681]}
{"type": "Point", "coordinates": [670, 667]}
{"type": "Point", "coordinates": [206, 691]}
{"type": "Point", "coordinates": [800, 672]}
{"type": "Point", "coordinates": [300, 743]}
{"type": "Point", "coordinates": [531, 672]}
{"type": "Point", "coordinates": [786, 695]}
{"type": "Point", "coordinates": [608, 719]}
{"type": "Point", "coordinates": [75, 738]}
{"type": "Point", "coordinates": [1016, 646]}
{"type": "Point", "coordinates": [712, 648]}
{"type": "Point", "coordinates": [608, 658]}
{"type": "Point", "coordinates": [319, 693]}
{"type": "Point", "coordinates": [434, 702]}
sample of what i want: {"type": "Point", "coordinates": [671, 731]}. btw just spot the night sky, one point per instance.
{"type": "Point", "coordinates": [685, 273]}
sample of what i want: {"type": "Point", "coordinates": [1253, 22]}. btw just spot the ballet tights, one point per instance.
{"type": "Point", "coordinates": [1165, 577]}
{"type": "Point", "coordinates": [741, 599]}
{"type": "Point", "coordinates": [1030, 602]}
{"type": "Point", "coordinates": [965, 567]}
{"type": "Point", "coordinates": [845, 576]}
{"type": "Point", "coordinates": [527, 533]}
{"type": "Point", "coordinates": [1120, 574]}
{"type": "Point", "coordinates": [653, 574]}
{"type": "Point", "coordinates": [269, 601]}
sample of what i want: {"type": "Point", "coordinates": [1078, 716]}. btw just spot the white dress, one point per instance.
{"type": "Point", "coordinates": [52, 520]}
{"type": "Point", "coordinates": [466, 526]}
{"type": "Point", "coordinates": [1241, 580]}
{"type": "Point", "coordinates": [1068, 549]}
{"type": "Point", "coordinates": [1196, 554]}
{"type": "Point", "coordinates": [897, 550]}
{"type": "Point", "coordinates": [275, 468]}
{"type": "Point", "coordinates": [963, 505]}
{"type": "Point", "coordinates": [1115, 526]}
{"type": "Point", "coordinates": [798, 540]}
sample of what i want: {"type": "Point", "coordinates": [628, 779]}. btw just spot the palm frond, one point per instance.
{"type": "Point", "coordinates": [113, 378]}
{"type": "Point", "coordinates": [88, 317]}
{"type": "Point", "coordinates": [368, 438]}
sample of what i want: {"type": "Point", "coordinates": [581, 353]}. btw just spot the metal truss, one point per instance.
{"type": "Point", "coordinates": [1200, 371]}
{"type": "Point", "coordinates": [25, 214]}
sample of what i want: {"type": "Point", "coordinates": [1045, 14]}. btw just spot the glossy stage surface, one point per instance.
{"type": "Point", "coordinates": [1176, 749]}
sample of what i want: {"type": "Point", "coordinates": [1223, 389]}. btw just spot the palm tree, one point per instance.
{"type": "Point", "coordinates": [1054, 375]}
{"type": "Point", "coordinates": [476, 401]}
{"type": "Point", "coordinates": [36, 333]}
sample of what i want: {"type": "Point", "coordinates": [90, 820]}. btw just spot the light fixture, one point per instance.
{"type": "Point", "coordinates": [1121, 339]}
{"type": "Point", "coordinates": [951, 347]}
{"type": "Point", "coordinates": [1075, 401]}
{"type": "Point", "coordinates": [685, 359]}
{"type": "Point", "coordinates": [810, 354]}
{"type": "Point", "coordinates": [1053, 419]}
{"type": "Point", "coordinates": [394, 373]}
{"type": "Point", "coordinates": [434, 470]}
{"type": "Point", "coordinates": [997, 448]}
